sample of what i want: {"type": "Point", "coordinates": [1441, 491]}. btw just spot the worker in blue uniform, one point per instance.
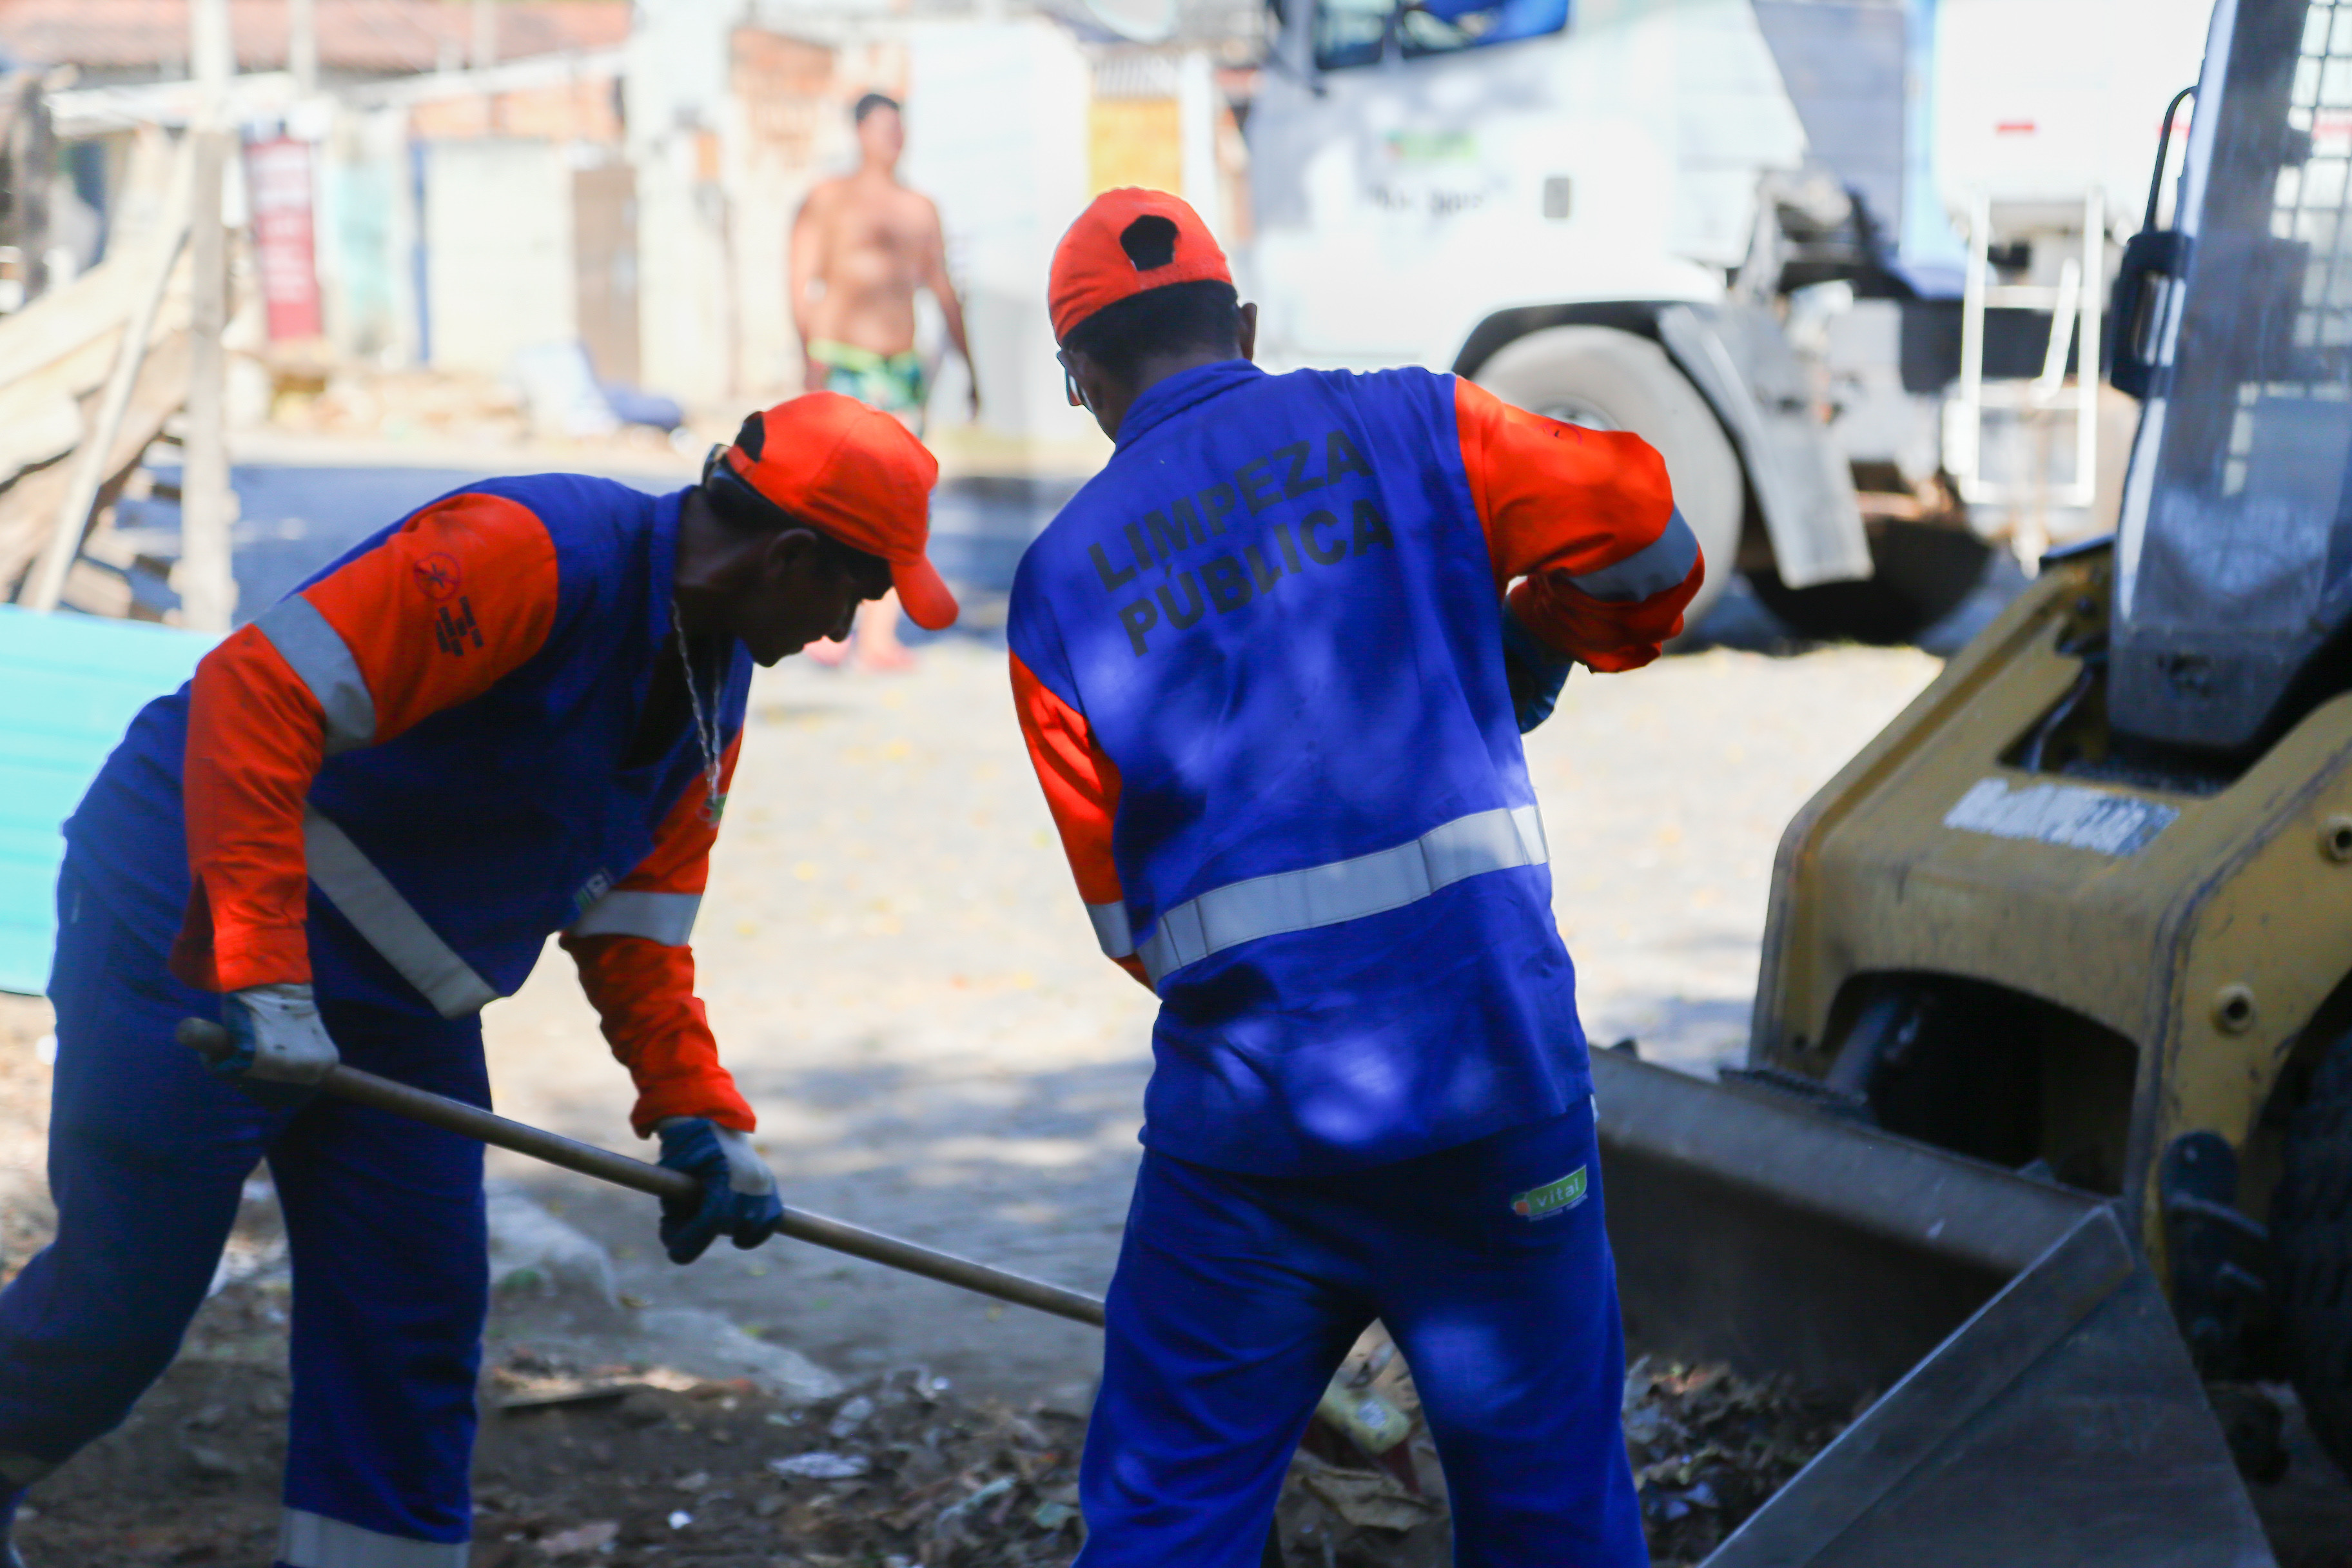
{"type": "Point", "coordinates": [1273, 672]}
{"type": "Point", "coordinates": [515, 712]}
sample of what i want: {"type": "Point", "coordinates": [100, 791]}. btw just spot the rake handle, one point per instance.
{"type": "Point", "coordinates": [210, 1041]}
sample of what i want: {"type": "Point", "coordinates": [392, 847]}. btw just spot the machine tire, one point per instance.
{"type": "Point", "coordinates": [1919, 573]}
{"type": "Point", "coordinates": [1608, 380]}
{"type": "Point", "coordinates": [2311, 1239]}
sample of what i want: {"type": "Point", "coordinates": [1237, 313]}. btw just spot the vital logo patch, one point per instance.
{"type": "Point", "coordinates": [593, 890]}
{"type": "Point", "coordinates": [1552, 1198]}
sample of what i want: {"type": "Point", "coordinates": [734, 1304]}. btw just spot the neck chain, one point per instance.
{"type": "Point", "coordinates": [706, 723]}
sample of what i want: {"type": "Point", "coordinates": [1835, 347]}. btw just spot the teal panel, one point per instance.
{"type": "Point", "coordinates": [70, 685]}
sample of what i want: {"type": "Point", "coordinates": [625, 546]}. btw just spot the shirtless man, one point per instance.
{"type": "Point", "coordinates": [861, 247]}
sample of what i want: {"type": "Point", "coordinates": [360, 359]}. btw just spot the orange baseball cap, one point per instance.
{"type": "Point", "coordinates": [858, 475]}
{"type": "Point", "coordinates": [1128, 241]}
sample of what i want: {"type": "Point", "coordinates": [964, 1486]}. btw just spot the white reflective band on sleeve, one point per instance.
{"type": "Point", "coordinates": [1111, 930]}
{"type": "Point", "coordinates": [317, 652]}
{"type": "Point", "coordinates": [666, 918]}
{"type": "Point", "coordinates": [1658, 567]}
{"type": "Point", "coordinates": [390, 923]}
{"type": "Point", "coordinates": [1344, 889]}
{"type": "Point", "coordinates": [314, 1540]}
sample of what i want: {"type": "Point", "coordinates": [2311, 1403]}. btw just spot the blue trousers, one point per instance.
{"type": "Point", "coordinates": [148, 1154]}
{"type": "Point", "coordinates": [1236, 1298]}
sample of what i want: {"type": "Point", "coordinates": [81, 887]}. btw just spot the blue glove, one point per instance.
{"type": "Point", "coordinates": [1535, 671]}
{"type": "Point", "coordinates": [739, 1192]}
{"type": "Point", "coordinates": [279, 1046]}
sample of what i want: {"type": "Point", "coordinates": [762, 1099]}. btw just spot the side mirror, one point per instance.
{"type": "Point", "coordinates": [2135, 315]}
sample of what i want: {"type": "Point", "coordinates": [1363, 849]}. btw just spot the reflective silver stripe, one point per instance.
{"type": "Point", "coordinates": [1111, 929]}
{"type": "Point", "coordinates": [320, 656]}
{"type": "Point", "coordinates": [1658, 567]}
{"type": "Point", "coordinates": [666, 918]}
{"type": "Point", "coordinates": [1344, 889]}
{"type": "Point", "coordinates": [390, 923]}
{"type": "Point", "coordinates": [314, 1540]}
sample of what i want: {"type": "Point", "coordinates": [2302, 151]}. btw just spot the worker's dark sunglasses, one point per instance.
{"type": "Point", "coordinates": [1069, 381]}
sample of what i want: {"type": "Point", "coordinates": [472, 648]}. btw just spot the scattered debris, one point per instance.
{"type": "Point", "coordinates": [637, 1465]}
{"type": "Point", "coordinates": [1366, 1500]}
{"type": "Point", "coordinates": [592, 1537]}
{"type": "Point", "coordinates": [891, 1470]}
{"type": "Point", "coordinates": [1707, 1450]}
{"type": "Point", "coordinates": [853, 1413]}
{"type": "Point", "coordinates": [1709, 1447]}
{"type": "Point", "coordinates": [820, 1466]}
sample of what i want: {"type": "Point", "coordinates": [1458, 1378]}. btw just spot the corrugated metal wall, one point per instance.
{"type": "Point", "coordinates": [69, 687]}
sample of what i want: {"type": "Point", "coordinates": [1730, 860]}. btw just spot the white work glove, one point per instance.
{"type": "Point", "coordinates": [279, 1035]}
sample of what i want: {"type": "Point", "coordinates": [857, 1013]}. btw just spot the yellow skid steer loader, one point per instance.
{"type": "Point", "coordinates": [2047, 1118]}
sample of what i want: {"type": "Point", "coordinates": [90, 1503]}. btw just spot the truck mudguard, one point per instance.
{"type": "Point", "coordinates": [1738, 360]}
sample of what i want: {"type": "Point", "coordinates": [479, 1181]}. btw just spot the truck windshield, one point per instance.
{"type": "Point", "coordinates": [1354, 32]}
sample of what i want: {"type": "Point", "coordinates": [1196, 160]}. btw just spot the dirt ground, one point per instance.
{"type": "Point", "coordinates": [901, 975]}
{"type": "Point", "coordinates": [632, 1463]}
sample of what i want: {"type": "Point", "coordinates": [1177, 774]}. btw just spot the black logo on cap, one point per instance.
{"type": "Point", "coordinates": [753, 436]}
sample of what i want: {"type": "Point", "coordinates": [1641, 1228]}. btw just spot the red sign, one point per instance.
{"type": "Point", "coordinates": [277, 174]}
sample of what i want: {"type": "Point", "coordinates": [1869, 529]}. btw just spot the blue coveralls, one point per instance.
{"type": "Point", "coordinates": [1274, 619]}
{"type": "Point", "coordinates": [499, 822]}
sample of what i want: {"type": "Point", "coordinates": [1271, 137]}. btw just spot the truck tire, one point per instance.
{"type": "Point", "coordinates": [1919, 573]}
{"type": "Point", "coordinates": [1607, 379]}
{"type": "Point", "coordinates": [2311, 1239]}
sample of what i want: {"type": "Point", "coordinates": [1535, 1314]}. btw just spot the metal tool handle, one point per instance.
{"type": "Point", "coordinates": [211, 1041]}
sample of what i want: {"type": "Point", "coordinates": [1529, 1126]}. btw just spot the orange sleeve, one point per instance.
{"type": "Point", "coordinates": [641, 979]}
{"type": "Point", "coordinates": [1081, 784]}
{"type": "Point", "coordinates": [1588, 518]}
{"type": "Point", "coordinates": [435, 616]}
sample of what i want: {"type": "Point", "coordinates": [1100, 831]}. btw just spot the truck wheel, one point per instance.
{"type": "Point", "coordinates": [2311, 1237]}
{"type": "Point", "coordinates": [1607, 379]}
{"type": "Point", "coordinates": [1919, 573]}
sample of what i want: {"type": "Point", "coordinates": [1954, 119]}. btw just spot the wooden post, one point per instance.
{"type": "Point", "coordinates": [485, 35]}
{"type": "Point", "coordinates": [302, 44]}
{"type": "Point", "coordinates": [207, 579]}
{"type": "Point", "coordinates": [211, 52]}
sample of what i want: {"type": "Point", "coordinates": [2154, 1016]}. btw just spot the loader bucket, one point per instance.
{"type": "Point", "coordinates": [2039, 1406]}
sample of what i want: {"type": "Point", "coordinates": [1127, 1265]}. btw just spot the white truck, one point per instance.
{"type": "Point", "coordinates": [1721, 223]}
